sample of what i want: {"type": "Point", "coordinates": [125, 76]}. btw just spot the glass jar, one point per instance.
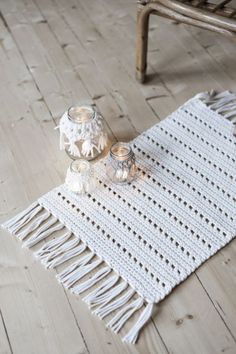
{"type": "Point", "coordinates": [80, 177]}
{"type": "Point", "coordinates": [82, 132]}
{"type": "Point", "coordinates": [120, 165]}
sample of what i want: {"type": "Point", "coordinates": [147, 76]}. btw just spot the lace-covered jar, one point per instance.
{"type": "Point", "coordinates": [82, 132]}
{"type": "Point", "coordinates": [120, 166]}
{"type": "Point", "coordinates": [80, 177]}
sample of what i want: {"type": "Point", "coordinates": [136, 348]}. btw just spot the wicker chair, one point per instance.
{"type": "Point", "coordinates": [218, 17]}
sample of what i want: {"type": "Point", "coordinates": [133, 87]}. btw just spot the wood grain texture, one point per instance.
{"type": "Point", "coordinates": [54, 53]}
{"type": "Point", "coordinates": [199, 14]}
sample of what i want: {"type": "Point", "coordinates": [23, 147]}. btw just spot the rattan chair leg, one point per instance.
{"type": "Point", "coordinates": [143, 14]}
{"type": "Point", "coordinates": [214, 18]}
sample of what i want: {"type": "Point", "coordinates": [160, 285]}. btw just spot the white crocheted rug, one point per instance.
{"type": "Point", "coordinates": [126, 247]}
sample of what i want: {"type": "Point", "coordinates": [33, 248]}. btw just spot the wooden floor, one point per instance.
{"type": "Point", "coordinates": [54, 53]}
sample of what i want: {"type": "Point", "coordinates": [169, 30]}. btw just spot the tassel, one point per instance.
{"type": "Point", "coordinates": [43, 232]}
{"type": "Point", "coordinates": [82, 261]}
{"type": "Point", "coordinates": [52, 263]}
{"type": "Point", "coordinates": [223, 103]}
{"type": "Point", "coordinates": [73, 149]}
{"type": "Point", "coordinates": [102, 142]}
{"type": "Point", "coordinates": [226, 107]}
{"type": "Point", "coordinates": [62, 141]}
{"type": "Point", "coordinates": [208, 97]}
{"type": "Point", "coordinates": [80, 288]}
{"type": "Point", "coordinates": [25, 220]}
{"type": "Point", "coordinates": [66, 246]}
{"type": "Point", "coordinates": [52, 245]}
{"type": "Point", "coordinates": [234, 119]}
{"type": "Point", "coordinates": [33, 225]}
{"type": "Point", "coordinates": [77, 270]}
{"type": "Point", "coordinates": [222, 100]}
{"type": "Point", "coordinates": [106, 285]}
{"type": "Point", "coordinates": [87, 148]}
{"type": "Point", "coordinates": [81, 272]}
{"type": "Point", "coordinates": [105, 310]}
{"type": "Point", "coordinates": [109, 295]}
{"type": "Point", "coordinates": [8, 224]}
{"type": "Point", "coordinates": [231, 114]}
{"type": "Point", "coordinates": [118, 321]}
{"type": "Point", "coordinates": [145, 316]}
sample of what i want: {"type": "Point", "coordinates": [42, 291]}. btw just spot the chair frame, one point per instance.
{"type": "Point", "coordinates": [214, 17]}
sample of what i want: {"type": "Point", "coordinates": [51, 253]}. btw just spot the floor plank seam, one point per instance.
{"type": "Point", "coordinates": [94, 98]}
{"type": "Point", "coordinates": [222, 318]}
{"type": "Point", "coordinates": [5, 329]}
{"type": "Point", "coordinates": [162, 340]}
{"type": "Point", "coordinates": [76, 321]}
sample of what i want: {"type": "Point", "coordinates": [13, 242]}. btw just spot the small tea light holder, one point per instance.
{"type": "Point", "coordinates": [121, 166]}
{"type": "Point", "coordinates": [80, 177]}
{"type": "Point", "coordinates": [82, 132]}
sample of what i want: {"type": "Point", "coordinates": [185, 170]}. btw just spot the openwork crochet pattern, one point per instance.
{"type": "Point", "coordinates": [148, 236]}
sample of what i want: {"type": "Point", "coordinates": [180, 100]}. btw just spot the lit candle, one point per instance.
{"type": "Point", "coordinates": [80, 166]}
{"type": "Point", "coordinates": [121, 164]}
{"type": "Point", "coordinates": [82, 132]}
{"type": "Point", "coordinates": [81, 114]}
{"type": "Point", "coordinates": [120, 151]}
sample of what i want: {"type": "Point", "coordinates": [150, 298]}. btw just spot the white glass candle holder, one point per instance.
{"type": "Point", "coordinates": [120, 165]}
{"type": "Point", "coordinates": [82, 132]}
{"type": "Point", "coordinates": [80, 177]}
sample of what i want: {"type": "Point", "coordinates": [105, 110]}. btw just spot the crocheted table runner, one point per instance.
{"type": "Point", "coordinates": [126, 247]}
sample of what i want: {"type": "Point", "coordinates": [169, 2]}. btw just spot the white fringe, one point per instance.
{"type": "Point", "coordinates": [44, 231]}
{"type": "Point", "coordinates": [9, 223]}
{"type": "Point", "coordinates": [52, 245]}
{"type": "Point", "coordinates": [106, 285]}
{"type": "Point", "coordinates": [32, 226]}
{"type": "Point", "coordinates": [80, 288]}
{"type": "Point", "coordinates": [78, 270]}
{"type": "Point", "coordinates": [145, 316]}
{"type": "Point", "coordinates": [82, 261]}
{"type": "Point", "coordinates": [119, 320]}
{"type": "Point", "coordinates": [109, 295]}
{"type": "Point", "coordinates": [81, 272]}
{"type": "Point", "coordinates": [223, 103]}
{"type": "Point", "coordinates": [66, 246]}
{"type": "Point", "coordinates": [231, 116]}
{"type": "Point", "coordinates": [105, 310]}
{"type": "Point", "coordinates": [62, 141]}
{"type": "Point", "coordinates": [64, 256]}
{"type": "Point", "coordinates": [25, 220]}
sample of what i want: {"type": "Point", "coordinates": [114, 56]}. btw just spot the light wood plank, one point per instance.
{"type": "Point", "coordinates": [25, 305]}
{"type": "Point", "coordinates": [188, 323]}
{"type": "Point", "coordinates": [87, 71]}
{"type": "Point", "coordinates": [5, 345]}
{"type": "Point", "coordinates": [114, 21]}
{"type": "Point", "coordinates": [29, 311]}
{"type": "Point", "coordinates": [114, 76]}
{"type": "Point", "coordinates": [218, 279]}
